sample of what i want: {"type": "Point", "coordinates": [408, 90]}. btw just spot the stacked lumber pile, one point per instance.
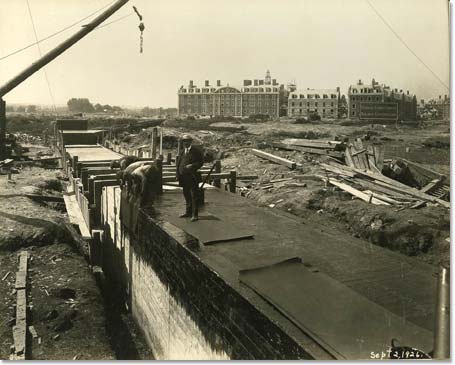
{"type": "Point", "coordinates": [376, 188]}
{"type": "Point", "coordinates": [314, 146]}
{"type": "Point", "coordinates": [369, 158]}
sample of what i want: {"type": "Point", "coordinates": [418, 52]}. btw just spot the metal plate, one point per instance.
{"type": "Point", "coordinates": [210, 229]}
{"type": "Point", "coordinates": [344, 322]}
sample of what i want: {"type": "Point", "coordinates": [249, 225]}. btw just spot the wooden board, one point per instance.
{"type": "Point", "coordinates": [357, 193]}
{"type": "Point", "coordinates": [279, 160]}
{"type": "Point", "coordinates": [317, 151]}
{"type": "Point", "coordinates": [75, 214]}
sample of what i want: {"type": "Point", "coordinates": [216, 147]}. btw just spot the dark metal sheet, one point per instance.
{"type": "Point", "coordinates": [346, 323]}
{"type": "Point", "coordinates": [210, 229]}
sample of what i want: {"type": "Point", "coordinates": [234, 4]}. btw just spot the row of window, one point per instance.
{"type": "Point", "coordinates": [260, 89]}
{"type": "Point", "coordinates": [308, 104]}
{"type": "Point", "coordinates": [366, 91]}
{"type": "Point", "coordinates": [300, 111]}
{"type": "Point", "coordinates": [366, 98]}
{"type": "Point", "coordinates": [314, 96]}
{"type": "Point", "coordinates": [246, 89]}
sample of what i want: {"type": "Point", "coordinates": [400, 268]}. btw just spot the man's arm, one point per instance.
{"type": "Point", "coordinates": [199, 160]}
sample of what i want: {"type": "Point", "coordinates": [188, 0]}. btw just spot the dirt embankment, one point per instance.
{"type": "Point", "coordinates": [66, 307]}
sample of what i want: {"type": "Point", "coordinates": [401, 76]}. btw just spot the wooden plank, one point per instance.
{"type": "Point", "coordinates": [383, 197]}
{"type": "Point", "coordinates": [317, 151]}
{"type": "Point", "coordinates": [23, 261]}
{"type": "Point", "coordinates": [21, 280]}
{"type": "Point", "coordinates": [357, 193]}
{"type": "Point", "coordinates": [19, 336]}
{"type": "Point", "coordinates": [279, 160]}
{"type": "Point", "coordinates": [432, 185]}
{"type": "Point", "coordinates": [379, 157]}
{"type": "Point", "coordinates": [75, 215]}
{"type": "Point", "coordinates": [336, 170]}
{"type": "Point", "coordinates": [416, 193]}
{"type": "Point", "coordinates": [348, 157]}
{"type": "Point", "coordinates": [370, 155]}
{"type": "Point", "coordinates": [311, 143]}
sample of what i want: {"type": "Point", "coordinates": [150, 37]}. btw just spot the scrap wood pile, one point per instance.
{"type": "Point", "coordinates": [375, 188]}
{"type": "Point", "coordinates": [313, 146]}
{"type": "Point", "coordinates": [369, 158]}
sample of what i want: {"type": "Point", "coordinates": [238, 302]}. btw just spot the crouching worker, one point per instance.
{"type": "Point", "coordinates": [123, 163]}
{"type": "Point", "coordinates": [146, 184]}
{"type": "Point", "coordinates": [189, 161]}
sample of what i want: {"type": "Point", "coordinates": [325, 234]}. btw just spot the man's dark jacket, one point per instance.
{"type": "Point", "coordinates": [195, 159]}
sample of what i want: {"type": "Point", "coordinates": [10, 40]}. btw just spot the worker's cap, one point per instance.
{"type": "Point", "coordinates": [187, 137]}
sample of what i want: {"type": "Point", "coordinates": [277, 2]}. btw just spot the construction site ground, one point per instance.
{"type": "Point", "coordinates": [75, 315]}
{"type": "Point", "coordinates": [423, 233]}
{"type": "Point", "coordinates": [67, 308]}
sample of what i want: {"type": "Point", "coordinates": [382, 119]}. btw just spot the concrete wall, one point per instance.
{"type": "Point", "coordinates": [184, 308]}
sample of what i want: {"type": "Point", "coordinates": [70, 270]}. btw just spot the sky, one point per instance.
{"type": "Point", "coordinates": [316, 43]}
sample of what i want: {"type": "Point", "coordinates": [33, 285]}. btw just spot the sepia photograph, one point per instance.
{"type": "Point", "coordinates": [225, 180]}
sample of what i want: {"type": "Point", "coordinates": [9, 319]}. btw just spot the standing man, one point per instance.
{"type": "Point", "coordinates": [190, 160]}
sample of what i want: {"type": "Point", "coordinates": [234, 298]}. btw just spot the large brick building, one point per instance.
{"type": "Point", "coordinates": [260, 96]}
{"type": "Point", "coordinates": [324, 102]}
{"type": "Point", "coordinates": [380, 102]}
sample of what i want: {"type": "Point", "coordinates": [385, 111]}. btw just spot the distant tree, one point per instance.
{"type": "Point", "coordinates": [9, 108]}
{"type": "Point", "coordinates": [98, 108]}
{"type": "Point", "coordinates": [31, 109]}
{"type": "Point", "coordinates": [116, 109]}
{"type": "Point", "coordinates": [342, 107]}
{"type": "Point", "coordinates": [81, 105]}
{"type": "Point", "coordinates": [20, 109]}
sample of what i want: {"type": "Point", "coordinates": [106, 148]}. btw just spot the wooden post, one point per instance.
{"type": "Point", "coordinates": [159, 165]}
{"type": "Point", "coordinates": [2, 129]}
{"type": "Point", "coordinates": [154, 146]}
{"type": "Point", "coordinates": [161, 141]}
{"type": "Point", "coordinates": [217, 170]}
{"type": "Point", "coordinates": [95, 248]}
{"type": "Point", "coordinates": [75, 161]}
{"type": "Point", "coordinates": [442, 325]}
{"type": "Point", "coordinates": [232, 181]}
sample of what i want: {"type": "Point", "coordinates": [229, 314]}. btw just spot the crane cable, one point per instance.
{"type": "Point", "coordinates": [405, 44]}
{"type": "Point", "coordinates": [58, 32]}
{"type": "Point", "coordinates": [39, 51]}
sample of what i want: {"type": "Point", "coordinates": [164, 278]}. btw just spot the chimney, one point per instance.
{"type": "Point", "coordinates": [338, 89]}
{"type": "Point", "coordinates": [396, 90]}
{"type": "Point", "coordinates": [274, 82]}
{"type": "Point", "coordinates": [255, 82]}
{"type": "Point", "coordinates": [445, 97]}
{"type": "Point", "coordinates": [191, 84]}
{"type": "Point", "coordinates": [401, 90]}
{"type": "Point", "coordinates": [218, 82]}
{"type": "Point", "coordinates": [359, 82]}
{"type": "Point", "coordinates": [206, 83]}
{"type": "Point", "coordinates": [407, 92]}
{"type": "Point", "coordinates": [439, 97]}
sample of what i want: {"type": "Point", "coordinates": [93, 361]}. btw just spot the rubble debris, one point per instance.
{"type": "Point", "coordinates": [377, 185]}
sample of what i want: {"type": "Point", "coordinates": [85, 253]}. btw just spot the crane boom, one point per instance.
{"type": "Point", "coordinates": [44, 60]}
